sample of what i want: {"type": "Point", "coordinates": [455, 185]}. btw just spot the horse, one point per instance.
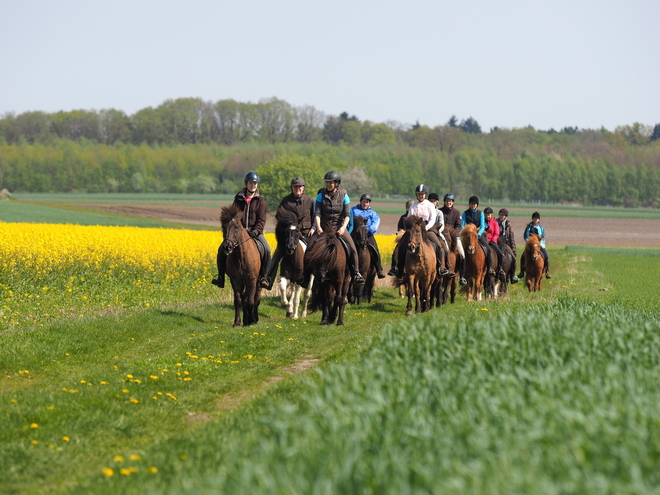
{"type": "Point", "coordinates": [420, 266]}
{"type": "Point", "coordinates": [243, 264]}
{"type": "Point", "coordinates": [327, 261]}
{"type": "Point", "coordinates": [534, 263]}
{"type": "Point", "coordinates": [289, 237]}
{"type": "Point", "coordinates": [493, 282]}
{"type": "Point", "coordinates": [366, 259]}
{"type": "Point", "coordinates": [508, 265]}
{"type": "Point", "coordinates": [447, 285]}
{"type": "Point", "coordinates": [475, 262]}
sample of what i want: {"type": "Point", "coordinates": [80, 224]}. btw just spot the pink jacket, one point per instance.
{"type": "Point", "coordinates": [493, 230]}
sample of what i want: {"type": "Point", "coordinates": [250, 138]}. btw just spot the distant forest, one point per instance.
{"type": "Point", "coordinates": [189, 145]}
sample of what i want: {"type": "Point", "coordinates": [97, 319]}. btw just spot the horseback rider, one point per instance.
{"type": "Point", "coordinates": [506, 233]}
{"type": "Point", "coordinates": [303, 206]}
{"type": "Point", "coordinates": [453, 220]}
{"type": "Point", "coordinates": [400, 226]}
{"type": "Point", "coordinates": [424, 209]}
{"type": "Point", "coordinates": [438, 230]}
{"type": "Point", "coordinates": [253, 205]}
{"type": "Point", "coordinates": [333, 212]}
{"type": "Point", "coordinates": [475, 216]}
{"type": "Point", "coordinates": [535, 227]}
{"type": "Point", "coordinates": [493, 234]}
{"type": "Point", "coordinates": [363, 209]}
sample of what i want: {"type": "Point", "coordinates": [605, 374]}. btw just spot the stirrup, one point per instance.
{"type": "Point", "coordinates": [358, 278]}
{"type": "Point", "coordinates": [515, 280]}
{"type": "Point", "coordinates": [462, 281]}
{"type": "Point", "coordinates": [220, 282]}
{"type": "Point", "coordinates": [380, 275]}
{"type": "Point", "coordinates": [442, 271]}
{"type": "Point", "coordinates": [265, 283]}
{"type": "Point", "coordinates": [491, 271]}
{"type": "Point", "coordinates": [547, 275]}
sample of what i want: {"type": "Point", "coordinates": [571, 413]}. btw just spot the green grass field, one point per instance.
{"type": "Point", "coordinates": [555, 392]}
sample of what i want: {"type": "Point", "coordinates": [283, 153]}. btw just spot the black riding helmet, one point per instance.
{"type": "Point", "coordinates": [434, 197]}
{"type": "Point", "coordinates": [365, 196]}
{"type": "Point", "coordinates": [449, 196]}
{"type": "Point", "coordinates": [297, 181]}
{"type": "Point", "coordinates": [334, 176]}
{"type": "Point", "coordinates": [422, 188]}
{"type": "Point", "coordinates": [488, 209]}
{"type": "Point", "coordinates": [473, 199]}
{"type": "Point", "coordinates": [251, 176]}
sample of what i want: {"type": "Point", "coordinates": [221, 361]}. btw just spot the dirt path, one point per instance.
{"type": "Point", "coordinates": [560, 231]}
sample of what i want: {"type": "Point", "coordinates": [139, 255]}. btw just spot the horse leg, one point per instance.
{"type": "Point", "coordinates": [326, 302]}
{"type": "Point", "coordinates": [411, 293]}
{"type": "Point", "coordinates": [295, 302]}
{"type": "Point", "coordinates": [307, 293]}
{"type": "Point", "coordinates": [238, 305]}
{"type": "Point", "coordinates": [284, 300]}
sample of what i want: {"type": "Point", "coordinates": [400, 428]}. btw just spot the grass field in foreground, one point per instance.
{"type": "Point", "coordinates": [553, 392]}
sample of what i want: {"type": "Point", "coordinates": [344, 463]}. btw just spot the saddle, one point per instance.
{"type": "Point", "coordinates": [346, 245]}
{"type": "Point", "coordinates": [260, 247]}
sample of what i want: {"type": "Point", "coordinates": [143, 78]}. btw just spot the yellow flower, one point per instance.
{"type": "Point", "coordinates": [119, 458]}
{"type": "Point", "coordinates": [125, 471]}
{"type": "Point", "coordinates": [134, 457]}
{"type": "Point", "coordinates": [34, 442]}
{"type": "Point", "coordinates": [134, 401]}
{"type": "Point", "coordinates": [65, 438]}
{"type": "Point", "coordinates": [153, 469]}
{"type": "Point", "coordinates": [108, 472]}
{"type": "Point", "coordinates": [34, 425]}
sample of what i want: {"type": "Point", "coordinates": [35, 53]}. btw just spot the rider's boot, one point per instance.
{"type": "Point", "coordinates": [221, 260]}
{"type": "Point", "coordinates": [461, 269]}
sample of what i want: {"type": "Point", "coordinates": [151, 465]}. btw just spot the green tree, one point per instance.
{"type": "Point", "coordinates": [276, 175]}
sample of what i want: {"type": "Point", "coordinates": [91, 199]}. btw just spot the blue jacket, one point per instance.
{"type": "Point", "coordinates": [476, 217]}
{"type": "Point", "coordinates": [539, 230]}
{"type": "Point", "coordinates": [372, 218]}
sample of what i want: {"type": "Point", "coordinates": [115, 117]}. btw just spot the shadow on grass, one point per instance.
{"type": "Point", "coordinates": [183, 315]}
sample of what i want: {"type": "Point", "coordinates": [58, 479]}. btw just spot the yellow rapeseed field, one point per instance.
{"type": "Point", "coordinates": [50, 271]}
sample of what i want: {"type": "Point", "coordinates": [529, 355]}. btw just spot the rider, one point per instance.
{"type": "Point", "coordinates": [453, 220]}
{"type": "Point", "coordinates": [424, 209]}
{"type": "Point", "coordinates": [506, 233]}
{"type": "Point", "coordinates": [253, 205]}
{"type": "Point", "coordinates": [363, 209]}
{"type": "Point", "coordinates": [438, 230]}
{"type": "Point", "coordinates": [401, 226]}
{"type": "Point", "coordinates": [303, 206]}
{"type": "Point", "coordinates": [475, 216]}
{"type": "Point", "coordinates": [535, 227]}
{"type": "Point", "coordinates": [493, 234]}
{"type": "Point", "coordinates": [333, 212]}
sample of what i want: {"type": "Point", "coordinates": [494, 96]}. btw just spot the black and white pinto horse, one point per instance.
{"type": "Point", "coordinates": [289, 237]}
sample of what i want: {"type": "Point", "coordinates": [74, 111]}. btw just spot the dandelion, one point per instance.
{"type": "Point", "coordinates": [125, 390]}
{"type": "Point", "coordinates": [119, 458]}
{"type": "Point", "coordinates": [65, 438]}
{"type": "Point", "coordinates": [34, 425]}
{"type": "Point", "coordinates": [125, 471]}
{"type": "Point", "coordinates": [108, 472]}
{"type": "Point", "coordinates": [134, 457]}
{"type": "Point", "coordinates": [134, 401]}
{"type": "Point", "coordinates": [34, 442]}
{"type": "Point", "coordinates": [152, 469]}
{"type": "Point", "coordinates": [153, 377]}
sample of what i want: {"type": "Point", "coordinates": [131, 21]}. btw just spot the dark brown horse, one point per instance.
{"type": "Point", "coordinates": [508, 265]}
{"type": "Point", "coordinates": [326, 260]}
{"type": "Point", "coordinates": [420, 268]}
{"type": "Point", "coordinates": [366, 259]}
{"type": "Point", "coordinates": [475, 262]}
{"type": "Point", "coordinates": [243, 264]}
{"type": "Point", "coordinates": [446, 285]}
{"type": "Point", "coordinates": [534, 263]}
{"type": "Point", "coordinates": [289, 237]}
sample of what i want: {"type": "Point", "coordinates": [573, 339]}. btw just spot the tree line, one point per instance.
{"type": "Point", "coordinates": [269, 121]}
{"type": "Point", "coordinates": [516, 165]}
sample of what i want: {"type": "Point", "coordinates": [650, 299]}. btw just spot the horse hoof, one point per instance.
{"type": "Point", "coordinates": [289, 315]}
{"type": "Point", "coordinates": [409, 313]}
{"type": "Point", "coordinates": [324, 323]}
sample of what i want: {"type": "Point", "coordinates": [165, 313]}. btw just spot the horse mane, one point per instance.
{"type": "Point", "coordinates": [410, 221]}
{"type": "Point", "coordinates": [359, 222]}
{"type": "Point", "coordinates": [285, 219]}
{"type": "Point", "coordinates": [470, 228]}
{"type": "Point", "coordinates": [227, 214]}
{"type": "Point", "coordinates": [326, 243]}
{"type": "Point", "coordinates": [533, 238]}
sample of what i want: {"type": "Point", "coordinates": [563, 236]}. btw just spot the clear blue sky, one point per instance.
{"type": "Point", "coordinates": [509, 63]}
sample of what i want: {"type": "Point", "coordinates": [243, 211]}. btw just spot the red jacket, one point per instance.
{"type": "Point", "coordinates": [493, 230]}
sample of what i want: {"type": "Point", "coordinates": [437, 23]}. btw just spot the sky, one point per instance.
{"type": "Point", "coordinates": [506, 63]}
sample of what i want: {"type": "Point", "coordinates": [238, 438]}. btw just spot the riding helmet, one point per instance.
{"type": "Point", "coordinates": [504, 212]}
{"type": "Point", "coordinates": [334, 176]}
{"type": "Point", "coordinates": [297, 181]}
{"type": "Point", "coordinates": [434, 197]}
{"type": "Point", "coordinates": [251, 176]}
{"type": "Point", "coordinates": [365, 196]}
{"type": "Point", "coordinates": [473, 199]}
{"type": "Point", "coordinates": [422, 188]}
{"type": "Point", "coordinates": [536, 214]}
{"type": "Point", "coordinates": [449, 196]}
{"type": "Point", "coordinates": [488, 209]}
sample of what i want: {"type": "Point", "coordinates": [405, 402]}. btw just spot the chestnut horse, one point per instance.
{"type": "Point", "coordinates": [326, 260]}
{"type": "Point", "coordinates": [475, 262]}
{"type": "Point", "coordinates": [366, 260]}
{"type": "Point", "coordinates": [420, 268]}
{"type": "Point", "coordinates": [288, 237]}
{"type": "Point", "coordinates": [243, 264]}
{"type": "Point", "coordinates": [534, 263]}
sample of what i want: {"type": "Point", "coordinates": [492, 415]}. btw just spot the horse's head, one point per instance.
{"type": "Point", "coordinates": [360, 233]}
{"type": "Point", "coordinates": [534, 246]}
{"type": "Point", "coordinates": [287, 232]}
{"type": "Point", "coordinates": [416, 228]}
{"type": "Point", "coordinates": [232, 228]}
{"type": "Point", "coordinates": [469, 238]}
